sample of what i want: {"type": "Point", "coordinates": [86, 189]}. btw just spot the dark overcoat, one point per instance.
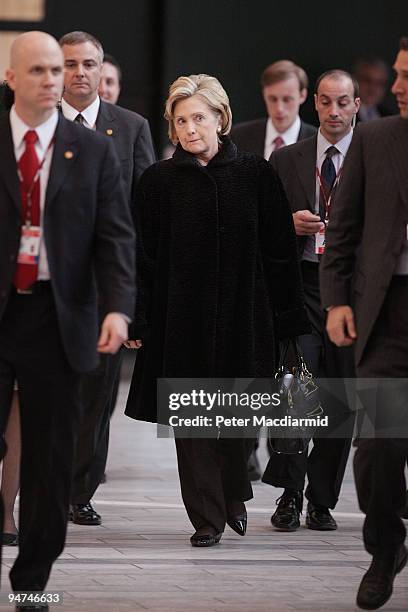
{"type": "Point", "coordinates": [217, 272]}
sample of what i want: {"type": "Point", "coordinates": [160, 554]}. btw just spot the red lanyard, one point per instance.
{"type": "Point", "coordinates": [35, 179]}
{"type": "Point", "coordinates": [327, 197]}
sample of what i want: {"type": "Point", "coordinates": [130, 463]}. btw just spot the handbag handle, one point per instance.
{"type": "Point", "coordinates": [300, 362]}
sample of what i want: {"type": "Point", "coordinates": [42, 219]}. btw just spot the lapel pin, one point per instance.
{"type": "Point", "coordinates": [109, 132]}
{"type": "Point", "coordinates": [68, 155]}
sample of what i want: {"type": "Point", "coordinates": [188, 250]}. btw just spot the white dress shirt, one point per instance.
{"type": "Point", "coordinates": [338, 159]}
{"type": "Point", "coordinates": [289, 137]}
{"type": "Point", "coordinates": [45, 133]}
{"type": "Point", "coordinates": [90, 113]}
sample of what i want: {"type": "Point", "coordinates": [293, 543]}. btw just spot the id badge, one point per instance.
{"type": "Point", "coordinates": [29, 245]}
{"type": "Point", "coordinates": [320, 243]}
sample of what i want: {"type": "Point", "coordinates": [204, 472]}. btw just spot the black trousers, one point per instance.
{"type": "Point", "coordinates": [212, 472]}
{"type": "Point", "coordinates": [98, 392]}
{"type": "Point", "coordinates": [379, 463]}
{"type": "Point", "coordinates": [326, 463]}
{"type": "Point", "coordinates": [31, 352]}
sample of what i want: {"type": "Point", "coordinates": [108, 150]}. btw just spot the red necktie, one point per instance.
{"type": "Point", "coordinates": [278, 142]}
{"type": "Point", "coordinates": [26, 274]}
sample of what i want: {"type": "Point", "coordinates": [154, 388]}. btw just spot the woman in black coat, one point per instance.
{"type": "Point", "coordinates": [218, 286]}
{"type": "Point", "coordinates": [10, 476]}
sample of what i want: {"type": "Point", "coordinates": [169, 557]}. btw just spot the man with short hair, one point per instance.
{"type": "Point", "coordinates": [367, 242]}
{"type": "Point", "coordinates": [284, 89]}
{"type": "Point", "coordinates": [111, 79]}
{"type": "Point", "coordinates": [66, 247]}
{"type": "Point", "coordinates": [130, 134]}
{"type": "Point", "coordinates": [310, 172]}
{"type": "Point", "coordinates": [372, 75]}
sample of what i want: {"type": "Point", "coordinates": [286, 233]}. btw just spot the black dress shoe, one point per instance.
{"type": "Point", "coordinates": [319, 518]}
{"type": "Point", "coordinates": [237, 517]}
{"type": "Point", "coordinates": [84, 514]}
{"type": "Point", "coordinates": [376, 585]}
{"type": "Point", "coordinates": [9, 539]}
{"type": "Point", "coordinates": [287, 515]}
{"type": "Point", "coordinates": [238, 523]}
{"type": "Point", "coordinates": [206, 536]}
{"type": "Point", "coordinates": [254, 468]}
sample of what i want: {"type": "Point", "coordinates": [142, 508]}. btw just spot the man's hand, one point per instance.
{"type": "Point", "coordinates": [113, 333]}
{"type": "Point", "coordinates": [306, 223]}
{"type": "Point", "coordinates": [133, 344]}
{"type": "Point", "coordinates": [340, 326]}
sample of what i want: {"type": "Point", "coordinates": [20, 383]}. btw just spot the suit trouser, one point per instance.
{"type": "Point", "coordinates": [98, 390]}
{"type": "Point", "coordinates": [31, 352]}
{"type": "Point", "coordinates": [379, 463]}
{"type": "Point", "coordinates": [326, 463]}
{"type": "Point", "coordinates": [212, 472]}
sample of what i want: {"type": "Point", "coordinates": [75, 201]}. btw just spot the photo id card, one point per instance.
{"type": "Point", "coordinates": [320, 242]}
{"type": "Point", "coordinates": [29, 245]}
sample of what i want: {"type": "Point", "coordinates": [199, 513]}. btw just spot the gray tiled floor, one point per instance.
{"type": "Point", "coordinates": [141, 559]}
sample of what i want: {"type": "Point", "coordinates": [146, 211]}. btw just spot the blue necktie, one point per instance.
{"type": "Point", "coordinates": [328, 176]}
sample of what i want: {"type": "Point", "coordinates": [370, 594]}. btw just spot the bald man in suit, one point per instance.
{"type": "Point", "coordinates": [66, 246]}
{"type": "Point", "coordinates": [298, 166]}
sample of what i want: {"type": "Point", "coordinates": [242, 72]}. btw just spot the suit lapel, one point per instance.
{"type": "Point", "coordinates": [64, 155]}
{"type": "Point", "coordinates": [398, 152]}
{"type": "Point", "coordinates": [305, 163]}
{"type": "Point", "coordinates": [105, 121]}
{"type": "Point", "coordinates": [8, 166]}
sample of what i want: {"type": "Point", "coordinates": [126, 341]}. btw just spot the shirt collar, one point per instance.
{"type": "Point", "coordinates": [45, 131]}
{"type": "Point", "coordinates": [289, 137]}
{"type": "Point", "coordinates": [90, 113]}
{"type": "Point", "coordinates": [342, 145]}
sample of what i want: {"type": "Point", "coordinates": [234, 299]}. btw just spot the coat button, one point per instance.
{"type": "Point", "coordinates": [222, 229]}
{"type": "Point", "coordinates": [12, 257]}
{"type": "Point", "coordinates": [3, 294]}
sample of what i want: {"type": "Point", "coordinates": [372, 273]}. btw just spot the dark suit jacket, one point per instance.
{"type": "Point", "coordinates": [370, 210]}
{"type": "Point", "coordinates": [87, 230]}
{"type": "Point", "coordinates": [250, 135]}
{"type": "Point", "coordinates": [130, 133]}
{"type": "Point", "coordinates": [295, 166]}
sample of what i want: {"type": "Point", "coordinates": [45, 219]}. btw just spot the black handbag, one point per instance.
{"type": "Point", "coordinates": [299, 405]}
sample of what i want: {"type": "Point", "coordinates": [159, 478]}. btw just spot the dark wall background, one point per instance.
{"type": "Point", "coordinates": [157, 40]}
{"type": "Point", "coordinates": [235, 39]}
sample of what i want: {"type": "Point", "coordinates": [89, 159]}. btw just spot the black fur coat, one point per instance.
{"type": "Point", "coordinates": [217, 272]}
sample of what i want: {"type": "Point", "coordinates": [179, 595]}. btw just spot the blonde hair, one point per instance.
{"type": "Point", "coordinates": [209, 89]}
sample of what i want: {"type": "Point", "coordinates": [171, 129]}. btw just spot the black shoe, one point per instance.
{"type": "Point", "coordinates": [376, 585]}
{"type": "Point", "coordinates": [9, 539]}
{"type": "Point", "coordinates": [237, 517]}
{"type": "Point", "coordinates": [405, 515]}
{"type": "Point", "coordinates": [206, 536]}
{"type": "Point", "coordinates": [287, 515]}
{"type": "Point", "coordinates": [84, 514]}
{"type": "Point", "coordinates": [254, 468]}
{"type": "Point", "coordinates": [319, 518]}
